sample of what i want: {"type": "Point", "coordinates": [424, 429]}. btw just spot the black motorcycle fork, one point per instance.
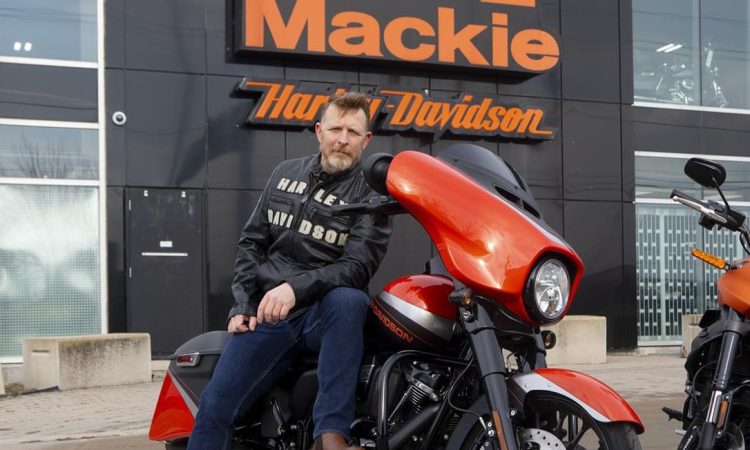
{"type": "Point", "coordinates": [487, 351]}
{"type": "Point", "coordinates": [731, 341]}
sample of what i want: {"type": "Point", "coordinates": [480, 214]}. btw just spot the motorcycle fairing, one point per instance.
{"type": "Point", "coordinates": [734, 289]}
{"type": "Point", "coordinates": [485, 241]}
{"type": "Point", "coordinates": [174, 414]}
{"type": "Point", "coordinates": [599, 400]}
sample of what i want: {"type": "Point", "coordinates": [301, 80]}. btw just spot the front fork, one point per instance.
{"type": "Point", "coordinates": [717, 416]}
{"type": "Point", "coordinates": [478, 323]}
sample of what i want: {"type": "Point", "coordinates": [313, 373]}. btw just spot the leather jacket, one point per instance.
{"type": "Point", "coordinates": [292, 237]}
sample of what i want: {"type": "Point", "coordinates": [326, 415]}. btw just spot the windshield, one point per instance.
{"type": "Point", "coordinates": [492, 173]}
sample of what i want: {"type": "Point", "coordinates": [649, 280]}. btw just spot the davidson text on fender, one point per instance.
{"type": "Point", "coordinates": [285, 103]}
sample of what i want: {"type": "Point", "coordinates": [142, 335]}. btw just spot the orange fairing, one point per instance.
{"type": "Point", "coordinates": [483, 240]}
{"type": "Point", "coordinates": [172, 417]}
{"type": "Point", "coordinates": [734, 289]}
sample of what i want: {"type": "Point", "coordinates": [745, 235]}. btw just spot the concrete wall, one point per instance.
{"type": "Point", "coordinates": [86, 361]}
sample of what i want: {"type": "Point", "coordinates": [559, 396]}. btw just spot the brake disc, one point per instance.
{"type": "Point", "coordinates": [735, 439]}
{"type": "Point", "coordinates": [543, 439]}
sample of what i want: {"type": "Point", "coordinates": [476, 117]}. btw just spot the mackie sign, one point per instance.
{"type": "Point", "coordinates": [499, 35]}
{"type": "Point", "coordinates": [287, 103]}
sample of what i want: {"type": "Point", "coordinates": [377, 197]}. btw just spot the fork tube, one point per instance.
{"type": "Point", "coordinates": [489, 356]}
{"type": "Point", "coordinates": [729, 346]}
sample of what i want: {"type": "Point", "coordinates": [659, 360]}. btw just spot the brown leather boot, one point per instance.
{"type": "Point", "coordinates": [332, 441]}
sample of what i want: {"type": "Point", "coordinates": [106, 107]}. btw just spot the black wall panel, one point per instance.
{"type": "Point", "coordinates": [227, 212]}
{"type": "Point", "coordinates": [591, 50]}
{"type": "Point", "coordinates": [591, 151]}
{"type": "Point", "coordinates": [220, 57]}
{"type": "Point", "coordinates": [166, 129]}
{"type": "Point", "coordinates": [116, 137]}
{"type": "Point", "coordinates": [166, 35]}
{"type": "Point", "coordinates": [626, 324]}
{"type": "Point", "coordinates": [116, 303]}
{"type": "Point", "coordinates": [394, 78]}
{"type": "Point", "coordinates": [627, 128]}
{"type": "Point", "coordinates": [594, 229]}
{"type": "Point", "coordinates": [666, 130]}
{"type": "Point", "coordinates": [48, 93]}
{"type": "Point", "coordinates": [626, 51]}
{"type": "Point", "coordinates": [238, 156]}
{"type": "Point", "coordinates": [552, 213]}
{"type": "Point", "coordinates": [725, 134]}
{"type": "Point", "coordinates": [114, 38]}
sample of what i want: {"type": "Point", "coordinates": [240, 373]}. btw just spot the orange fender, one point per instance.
{"type": "Point", "coordinates": [173, 419]}
{"type": "Point", "coordinates": [598, 399]}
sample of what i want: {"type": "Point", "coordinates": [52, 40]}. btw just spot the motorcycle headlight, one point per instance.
{"type": "Point", "coordinates": [547, 291]}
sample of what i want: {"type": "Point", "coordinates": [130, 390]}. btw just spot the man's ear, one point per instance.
{"type": "Point", "coordinates": [319, 132]}
{"type": "Point", "coordinates": [368, 138]}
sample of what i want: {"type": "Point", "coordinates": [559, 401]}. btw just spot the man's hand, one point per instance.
{"type": "Point", "coordinates": [276, 304]}
{"type": "Point", "coordinates": [241, 324]}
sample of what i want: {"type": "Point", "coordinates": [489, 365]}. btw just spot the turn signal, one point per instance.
{"type": "Point", "coordinates": [708, 258]}
{"type": "Point", "coordinates": [549, 338]}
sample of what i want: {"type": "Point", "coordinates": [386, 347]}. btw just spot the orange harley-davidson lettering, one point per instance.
{"type": "Point", "coordinates": [358, 34]}
{"type": "Point", "coordinates": [466, 114]}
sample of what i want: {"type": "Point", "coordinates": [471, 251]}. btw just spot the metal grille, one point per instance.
{"type": "Point", "coordinates": [670, 281]}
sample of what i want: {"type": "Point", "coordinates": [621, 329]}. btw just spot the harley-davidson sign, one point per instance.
{"type": "Point", "coordinates": [481, 34]}
{"type": "Point", "coordinates": [287, 103]}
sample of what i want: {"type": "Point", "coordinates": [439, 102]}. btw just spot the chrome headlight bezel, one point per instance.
{"type": "Point", "coordinates": [550, 276]}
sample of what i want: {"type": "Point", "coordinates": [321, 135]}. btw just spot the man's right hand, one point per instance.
{"type": "Point", "coordinates": [242, 323]}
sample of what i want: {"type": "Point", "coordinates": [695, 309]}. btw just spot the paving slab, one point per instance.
{"type": "Point", "coordinates": [118, 417]}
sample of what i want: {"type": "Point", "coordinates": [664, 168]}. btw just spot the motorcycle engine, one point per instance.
{"type": "Point", "coordinates": [424, 385]}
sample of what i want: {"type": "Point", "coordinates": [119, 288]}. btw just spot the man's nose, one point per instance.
{"type": "Point", "coordinates": [344, 137]}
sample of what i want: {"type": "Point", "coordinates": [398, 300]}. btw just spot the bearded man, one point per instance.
{"type": "Point", "coordinates": [299, 284]}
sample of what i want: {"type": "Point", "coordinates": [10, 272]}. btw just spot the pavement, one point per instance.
{"type": "Point", "coordinates": [119, 417]}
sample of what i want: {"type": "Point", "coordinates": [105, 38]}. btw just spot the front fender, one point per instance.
{"type": "Point", "coordinates": [598, 399]}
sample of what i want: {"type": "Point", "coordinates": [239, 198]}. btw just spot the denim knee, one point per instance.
{"type": "Point", "coordinates": [345, 301]}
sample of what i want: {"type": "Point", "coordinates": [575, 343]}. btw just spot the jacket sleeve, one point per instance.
{"type": "Point", "coordinates": [365, 248]}
{"type": "Point", "coordinates": [252, 250]}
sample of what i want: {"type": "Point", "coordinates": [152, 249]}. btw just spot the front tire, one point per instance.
{"type": "Point", "coordinates": [554, 422]}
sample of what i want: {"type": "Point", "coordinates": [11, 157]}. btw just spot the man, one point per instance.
{"type": "Point", "coordinates": [299, 283]}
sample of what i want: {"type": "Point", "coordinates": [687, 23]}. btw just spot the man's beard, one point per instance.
{"type": "Point", "coordinates": [334, 162]}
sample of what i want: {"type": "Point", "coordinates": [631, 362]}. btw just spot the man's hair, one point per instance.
{"type": "Point", "coordinates": [350, 101]}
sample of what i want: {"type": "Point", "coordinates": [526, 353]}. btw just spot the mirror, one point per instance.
{"type": "Point", "coordinates": [706, 173]}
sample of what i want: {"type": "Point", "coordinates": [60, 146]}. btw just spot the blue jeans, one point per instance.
{"type": "Point", "coordinates": [253, 362]}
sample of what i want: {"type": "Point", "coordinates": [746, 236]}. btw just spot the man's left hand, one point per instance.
{"type": "Point", "coordinates": [276, 304]}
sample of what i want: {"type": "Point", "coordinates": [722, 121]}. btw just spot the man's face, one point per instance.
{"type": "Point", "coordinates": [342, 138]}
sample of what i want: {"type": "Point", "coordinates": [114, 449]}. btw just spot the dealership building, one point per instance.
{"type": "Point", "coordinates": [136, 137]}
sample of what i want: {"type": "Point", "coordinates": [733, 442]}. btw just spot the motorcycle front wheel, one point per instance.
{"type": "Point", "coordinates": [554, 422]}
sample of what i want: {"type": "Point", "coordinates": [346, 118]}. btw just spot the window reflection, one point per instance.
{"type": "Point", "coordinates": [692, 52]}
{"type": "Point", "coordinates": [48, 152]}
{"type": "Point", "coordinates": [725, 39]}
{"type": "Point", "coordinates": [665, 52]}
{"type": "Point", "coordinates": [50, 29]}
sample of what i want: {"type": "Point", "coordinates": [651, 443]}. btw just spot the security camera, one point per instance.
{"type": "Point", "coordinates": [119, 118]}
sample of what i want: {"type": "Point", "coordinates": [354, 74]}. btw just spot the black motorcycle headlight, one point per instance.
{"type": "Point", "coordinates": [547, 291]}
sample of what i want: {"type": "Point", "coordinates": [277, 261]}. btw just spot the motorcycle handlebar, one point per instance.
{"type": "Point", "coordinates": [702, 206]}
{"type": "Point", "coordinates": [378, 205]}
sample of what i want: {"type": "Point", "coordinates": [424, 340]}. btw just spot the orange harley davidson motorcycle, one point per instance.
{"type": "Point", "coordinates": [435, 373]}
{"type": "Point", "coordinates": [716, 414]}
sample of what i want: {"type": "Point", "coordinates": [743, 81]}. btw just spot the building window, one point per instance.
{"type": "Point", "coordinates": [49, 263]}
{"type": "Point", "coordinates": [670, 281]}
{"type": "Point", "coordinates": [51, 183]}
{"type": "Point", "coordinates": [48, 152]}
{"type": "Point", "coordinates": [692, 52]}
{"type": "Point", "coordinates": [49, 29]}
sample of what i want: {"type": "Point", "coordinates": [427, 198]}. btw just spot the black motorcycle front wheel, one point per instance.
{"type": "Point", "coordinates": [554, 422]}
